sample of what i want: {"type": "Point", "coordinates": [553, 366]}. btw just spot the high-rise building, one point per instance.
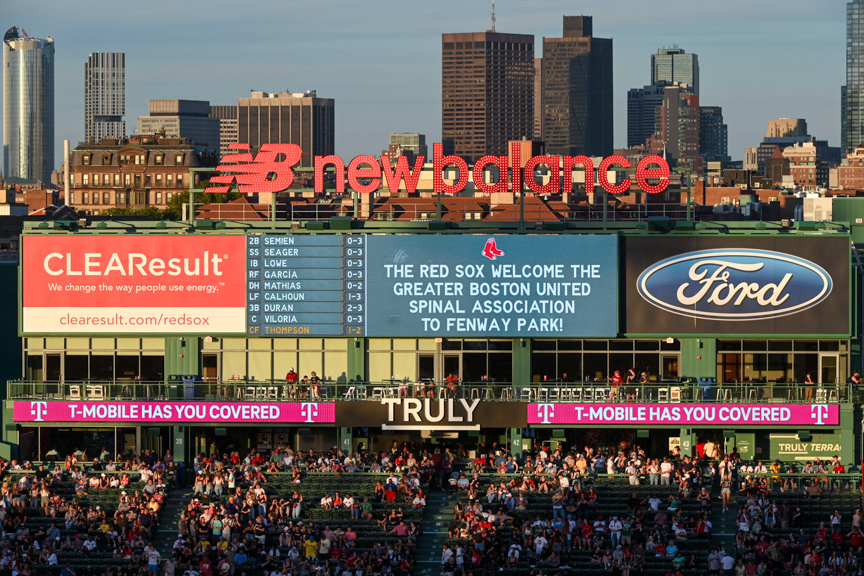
{"type": "Point", "coordinates": [677, 127]}
{"type": "Point", "coordinates": [675, 65]}
{"type": "Point", "coordinates": [487, 92]}
{"type": "Point", "coordinates": [538, 99]}
{"type": "Point", "coordinates": [288, 118]}
{"type": "Point", "coordinates": [104, 96]}
{"type": "Point", "coordinates": [412, 144]}
{"type": "Point", "coordinates": [786, 128]}
{"type": "Point", "coordinates": [28, 106]}
{"type": "Point", "coordinates": [189, 119]}
{"type": "Point", "coordinates": [852, 117]}
{"type": "Point", "coordinates": [577, 91]}
{"type": "Point", "coordinates": [227, 116]}
{"type": "Point", "coordinates": [642, 104]}
{"type": "Point", "coordinates": [713, 134]}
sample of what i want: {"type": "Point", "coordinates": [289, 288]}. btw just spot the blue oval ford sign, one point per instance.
{"type": "Point", "coordinates": [734, 284]}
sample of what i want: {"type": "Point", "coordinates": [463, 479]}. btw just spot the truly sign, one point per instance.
{"type": "Point", "coordinates": [265, 172]}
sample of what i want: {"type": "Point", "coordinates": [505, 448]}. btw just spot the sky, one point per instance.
{"type": "Point", "coordinates": [381, 59]}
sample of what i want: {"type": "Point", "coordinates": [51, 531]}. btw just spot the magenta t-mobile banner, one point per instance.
{"type": "Point", "coordinates": [177, 412]}
{"type": "Point", "coordinates": [686, 415]}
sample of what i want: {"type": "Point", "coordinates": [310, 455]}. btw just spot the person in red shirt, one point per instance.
{"type": "Point", "coordinates": [616, 381]}
{"type": "Point", "coordinates": [587, 529]}
{"type": "Point", "coordinates": [856, 539]}
{"type": "Point", "coordinates": [451, 381]}
{"type": "Point", "coordinates": [836, 539]}
{"type": "Point", "coordinates": [291, 378]}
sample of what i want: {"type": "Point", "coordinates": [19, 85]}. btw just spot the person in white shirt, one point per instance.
{"type": "Point", "coordinates": [653, 470]}
{"type": "Point", "coordinates": [348, 502]}
{"type": "Point", "coordinates": [326, 501]}
{"type": "Point", "coordinates": [632, 474]}
{"type": "Point", "coordinates": [615, 528]}
{"type": "Point", "coordinates": [666, 472]}
{"type": "Point", "coordinates": [654, 503]}
{"type": "Point", "coordinates": [540, 544]}
{"type": "Point", "coordinates": [710, 450]}
{"type": "Point", "coordinates": [600, 525]}
{"type": "Point", "coordinates": [446, 554]}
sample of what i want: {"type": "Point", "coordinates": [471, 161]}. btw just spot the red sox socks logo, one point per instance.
{"type": "Point", "coordinates": [491, 250]}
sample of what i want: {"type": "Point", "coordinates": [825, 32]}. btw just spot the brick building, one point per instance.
{"type": "Point", "coordinates": [136, 173]}
{"type": "Point", "coordinates": [805, 165]}
{"type": "Point", "coordinates": [852, 176]}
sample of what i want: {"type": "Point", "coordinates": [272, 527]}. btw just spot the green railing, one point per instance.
{"type": "Point", "coordinates": [572, 392]}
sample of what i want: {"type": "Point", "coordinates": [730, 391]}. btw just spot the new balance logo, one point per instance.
{"type": "Point", "coordinates": [261, 174]}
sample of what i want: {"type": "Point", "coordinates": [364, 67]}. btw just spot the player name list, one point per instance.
{"type": "Point", "coordinates": [306, 285]}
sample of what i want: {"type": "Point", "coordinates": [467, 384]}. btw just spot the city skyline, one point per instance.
{"type": "Point", "coordinates": [385, 73]}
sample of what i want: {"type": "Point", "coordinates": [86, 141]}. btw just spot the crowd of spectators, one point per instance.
{"type": "Point", "coordinates": [545, 510]}
{"type": "Point", "coordinates": [96, 510]}
{"type": "Point", "coordinates": [238, 522]}
{"type": "Point", "coordinates": [495, 525]}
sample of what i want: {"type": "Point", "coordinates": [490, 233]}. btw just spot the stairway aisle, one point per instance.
{"type": "Point", "coordinates": [165, 536]}
{"type": "Point", "coordinates": [725, 523]}
{"type": "Point", "coordinates": [434, 527]}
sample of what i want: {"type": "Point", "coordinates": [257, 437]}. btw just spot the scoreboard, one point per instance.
{"type": "Point", "coordinates": [306, 285]}
{"type": "Point", "coordinates": [406, 285]}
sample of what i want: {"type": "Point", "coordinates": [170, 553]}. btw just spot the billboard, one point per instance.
{"type": "Point", "coordinates": [492, 286]}
{"type": "Point", "coordinates": [686, 415]}
{"type": "Point", "coordinates": [133, 284]}
{"type": "Point", "coordinates": [176, 412]}
{"type": "Point", "coordinates": [744, 285]}
{"type": "Point", "coordinates": [306, 285]}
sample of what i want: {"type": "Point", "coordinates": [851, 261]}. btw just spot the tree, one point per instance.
{"type": "Point", "coordinates": [174, 211]}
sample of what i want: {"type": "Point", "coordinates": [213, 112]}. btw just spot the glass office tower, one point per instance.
{"type": "Point", "coordinates": [28, 106]}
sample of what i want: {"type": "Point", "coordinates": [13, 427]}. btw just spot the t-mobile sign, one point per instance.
{"type": "Point", "coordinates": [177, 412]}
{"type": "Point", "coordinates": [686, 415]}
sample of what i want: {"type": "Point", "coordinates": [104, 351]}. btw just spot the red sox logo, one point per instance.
{"type": "Point", "coordinates": [491, 250]}
{"type": "Point", "coordinates": [260, 174]}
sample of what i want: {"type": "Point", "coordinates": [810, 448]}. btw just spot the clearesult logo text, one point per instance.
{"type": "Point", "coordinates": [734, 284]}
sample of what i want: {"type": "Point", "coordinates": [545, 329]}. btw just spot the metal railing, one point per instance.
{"type": "Point", "coordinates": [328, 391]}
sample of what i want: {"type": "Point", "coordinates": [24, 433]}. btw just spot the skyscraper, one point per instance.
{"type": "Point", "coordinates": [577, 91]}
{"type": "Point", "coordinates": [713, 134]}
{"type": "Point", "coordinates": [188, 119]}
{"type": "Point", "coordinates": [227, 116]}
{"type": "Point", "coordinates": [538, 99]}
{"type": "Point", "coordinates": [852, 116]}
{"type": "Point", "coordinates": [28, 106]}
{"type": "Point", "coordinates": [300, 118]}
{"type": "Point", "coordinates": [642, 104]}
{"type": "Point", "coordinates": [487, 92]}
{"type": "Point", "coordinates": [675, 65]}
{"type": "Point", "coordinates": [104, 96]}
{"type": "Point", "coordinates": [677, 127]}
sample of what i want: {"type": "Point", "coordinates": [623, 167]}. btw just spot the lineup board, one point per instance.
{"type": "Point", "coordinates": [431, 285]}
{"type": "Point", "coordinates": [306, 285]}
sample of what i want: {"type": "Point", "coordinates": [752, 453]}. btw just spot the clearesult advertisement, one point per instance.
{"type": "Point", "coordinates": [133, 284]}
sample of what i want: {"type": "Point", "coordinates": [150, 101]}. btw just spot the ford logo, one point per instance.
{"type": "Point", "coordinates": [734, 284]}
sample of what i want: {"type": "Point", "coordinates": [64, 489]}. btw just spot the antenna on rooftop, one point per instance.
{"type": "Point", "coordinates": [493, 16]}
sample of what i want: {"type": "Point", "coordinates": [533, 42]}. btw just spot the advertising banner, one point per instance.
{"type": "Point", "coordinates": [133, 284]}
{"type": "Point", "coordinates": [752, 285]}
{"type": "Point", "coordinates": [492, 286]}
{"type": "Point", "coordinates": [454, 414]}
{"type": "Point", "coordinates": [687, 415]}
{"type": "Point", "coordinates": [789, 447]}
{"type": "Point", "coordinates": [177, 412]}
